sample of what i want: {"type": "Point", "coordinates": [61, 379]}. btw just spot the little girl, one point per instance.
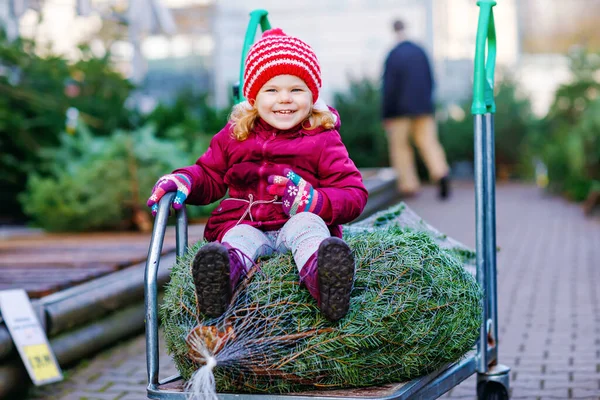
{"type": "Point", "coordinates": [291, 183]}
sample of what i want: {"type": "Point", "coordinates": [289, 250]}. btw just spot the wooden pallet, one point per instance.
{"type": "Point", "coordinates": [45, 263]}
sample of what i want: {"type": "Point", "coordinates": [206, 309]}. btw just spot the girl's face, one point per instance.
{"type": "Point", "coordinates": [284, 101]}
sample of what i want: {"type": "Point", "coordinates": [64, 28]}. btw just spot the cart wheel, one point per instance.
{"type": "Point", "coordinates": [491, 390]}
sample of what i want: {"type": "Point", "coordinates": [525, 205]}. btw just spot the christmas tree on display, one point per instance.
{"type": "Point", "coordinates": [415, 307]}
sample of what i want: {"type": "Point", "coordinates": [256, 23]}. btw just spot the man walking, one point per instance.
{"type": "Point", "coordinates": [408, 112]}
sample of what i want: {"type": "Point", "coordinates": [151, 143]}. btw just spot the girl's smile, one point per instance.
{"type": "Point", "coordinates": [284, 101]}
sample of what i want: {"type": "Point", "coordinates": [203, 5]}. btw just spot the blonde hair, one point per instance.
{"type": "Point", "coordinates": [243, 116]}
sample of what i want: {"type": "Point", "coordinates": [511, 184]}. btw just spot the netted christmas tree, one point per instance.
{"type": "Point", "coordinates": [414, 309]}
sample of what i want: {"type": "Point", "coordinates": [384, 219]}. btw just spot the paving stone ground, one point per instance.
{"type": "Point", "coordinates": [116, 374]}
{"type": "Point", "coordinates": [548, 277]}
{"type": "Point", "coordinates": [548, 302]}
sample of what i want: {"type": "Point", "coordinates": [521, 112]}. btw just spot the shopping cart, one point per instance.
{"type": "Point", "coordinates": [492, 378]}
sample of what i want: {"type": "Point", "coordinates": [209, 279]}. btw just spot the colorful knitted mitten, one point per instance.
{"type": "Point", "coordinates": [297, 194]}
{"type": "Point", "coordinates": [180, 183]}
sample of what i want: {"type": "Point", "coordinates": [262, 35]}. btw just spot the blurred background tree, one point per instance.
{"type": "Point", "coordinates": [567, 139]}
{"type": "Point", "coordinates": [36, 93]}
{"type": "Point", "coordinates": [98, 182]}
{"type": "Point", "coordinates": [360, 110]}
{"type": "Point", "coordinates": [36, 165]}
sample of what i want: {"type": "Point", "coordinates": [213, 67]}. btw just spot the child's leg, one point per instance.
{"type": "Point", "coordinates": [217, 267]}
{"type": "Point", "coordinates": [302, 235]}
{"type": "Point", "coordinates": [325, 263]}
{"type": "Point", "coordinates": [251, 243]}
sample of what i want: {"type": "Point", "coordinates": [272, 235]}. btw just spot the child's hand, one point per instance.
{"type": "Point", "coordinates": [180, 183]}
{"type": "Point", "coordinates": [297, 194]}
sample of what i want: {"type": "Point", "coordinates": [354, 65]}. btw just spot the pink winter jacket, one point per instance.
{"type": "Point", "coordinates": [317, 155]}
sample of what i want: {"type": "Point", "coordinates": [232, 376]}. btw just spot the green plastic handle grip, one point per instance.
{"type": "Point", "coordinates": [483, 79]}
{"type": "Point", "coordinates": [257, 17]}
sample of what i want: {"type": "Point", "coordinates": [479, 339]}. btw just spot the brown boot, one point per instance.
{"type": "Point", "coordinates": [329, 277]}
{"type": "Point", "coordinates": [216, 270]}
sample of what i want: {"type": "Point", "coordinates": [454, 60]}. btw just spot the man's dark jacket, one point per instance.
{"type": "Point", "coordinates": [407, 82]}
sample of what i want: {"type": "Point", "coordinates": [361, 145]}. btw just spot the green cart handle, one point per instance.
{"type": "Point", "coordinates": [483, 80]}
{"type": "Point", "coordinates": [256, 17]}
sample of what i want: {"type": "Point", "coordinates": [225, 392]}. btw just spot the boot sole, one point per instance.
{"type": "Point", "coordinates": [210, 270]}
{"type": "Point", "coordinates": [336, 277]}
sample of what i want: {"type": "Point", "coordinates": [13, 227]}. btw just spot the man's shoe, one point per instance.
{"type": "Point", "coordinates": [444, 187]}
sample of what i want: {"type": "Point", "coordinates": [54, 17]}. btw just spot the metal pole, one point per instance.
{"type": "Point", "coordinates": [483, 108]}
{"type": "Point", "coordinates": [490, 227]}
{"type": "Point", "coordinates": [257, 17]}
{"type": "Point", "coordinates": [151, 301]}
{"type": "Point", "coordinates": [181, 232]}
{"type": "Point", "coordinates": [480, 229]}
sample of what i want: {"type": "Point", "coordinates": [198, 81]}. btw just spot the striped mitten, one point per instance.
{"type": "Point", "coordinates": [297, 194]}
{"type": "Point", "coordinates": [180, 183]}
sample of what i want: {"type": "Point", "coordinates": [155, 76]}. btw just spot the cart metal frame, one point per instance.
{"type": "Point", "coordinates": [492, 378]}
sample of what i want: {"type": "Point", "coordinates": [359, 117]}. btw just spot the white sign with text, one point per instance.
{"type": "Point", "coordinates": [29, 337]}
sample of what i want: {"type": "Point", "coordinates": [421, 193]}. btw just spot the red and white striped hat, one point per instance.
{"type": "Point", "coordinates": [279, 54]}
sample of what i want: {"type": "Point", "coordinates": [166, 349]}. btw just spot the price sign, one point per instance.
{"type": "Point", "coordinates": [29, 337]}
{"type": "Point", "coordinates": [41, 360]}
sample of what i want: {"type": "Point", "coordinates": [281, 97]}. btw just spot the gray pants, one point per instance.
{"type": "Point", "coordinates": [301, 235]}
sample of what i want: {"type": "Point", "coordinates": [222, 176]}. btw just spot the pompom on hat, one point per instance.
{"type": "Point", "coordinates": [279, 54]}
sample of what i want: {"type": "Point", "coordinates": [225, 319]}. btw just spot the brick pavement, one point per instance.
{"type": "Point", "coordinates": [549, 313]}
{"type": "Point", "coordinates": [116, 374]}
{"type": "Point", "coordinates": [548, 277]}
